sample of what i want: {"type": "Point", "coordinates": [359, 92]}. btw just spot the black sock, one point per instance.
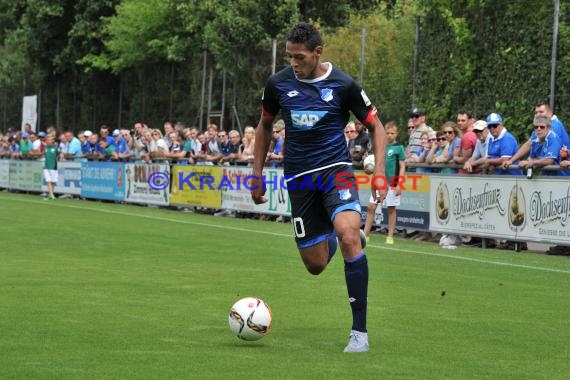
{"type": "Point", "coordinates": [356, 274]}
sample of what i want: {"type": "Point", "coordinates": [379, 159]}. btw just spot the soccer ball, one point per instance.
{"type": "Point", "coordinates": [368, 164]}
{"type": "Point", "coordinates": [250, 318]}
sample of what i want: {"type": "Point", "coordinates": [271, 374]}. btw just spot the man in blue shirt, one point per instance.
{"type": "Point", "coordinates": [543, 108]}
{"type": "Point", "coordinates": [545, 146]}
{"type": "Point", "coordinates": [502, 147]}
{"type": "Point", "coordinates": [315, 99]}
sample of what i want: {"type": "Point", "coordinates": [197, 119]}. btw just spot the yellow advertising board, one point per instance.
{"type": "Point", "coordinates": [196, 186]}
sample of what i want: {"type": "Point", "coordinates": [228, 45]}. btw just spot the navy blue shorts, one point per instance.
{"type": "Point", "coordinates": [316, 198]}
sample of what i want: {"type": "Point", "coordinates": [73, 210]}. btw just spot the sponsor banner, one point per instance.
{"type": "Point", "coordinates": [540, 210]}
{"type": "Point", "coordinates": [4, 173]}
{"type": "Point", "coordinates": [26, 175]}
{"type": "Point", "coordinates": [68, 178]}
{"type": "Point", "coordinates": [236, 196]}
{"type": "Point", "coordinates": [415, 220]}
{"type": "Point", "coordinates": [103, 180]}
{"type": "Point", "coordinates": [414, 209]}
{"type": "Point", "coordinates": [196, 186]}
{"type": "Point", "coordinates": [510, 208]}
{"type": "Point", "coordinates": [137, 185]}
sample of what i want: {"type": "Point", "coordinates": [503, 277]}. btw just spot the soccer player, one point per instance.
{"type": "Point", "coordinates": [315, 98]}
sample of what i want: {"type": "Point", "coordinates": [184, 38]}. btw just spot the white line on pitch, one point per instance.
{"type": "Point", "coordinates": [500, 263]}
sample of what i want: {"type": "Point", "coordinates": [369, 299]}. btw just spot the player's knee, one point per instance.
{"type": "Point", "coordinates": [349, 238]}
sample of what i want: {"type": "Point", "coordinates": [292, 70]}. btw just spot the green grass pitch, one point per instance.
{"type": "Point", "coordinates": [92, 290]}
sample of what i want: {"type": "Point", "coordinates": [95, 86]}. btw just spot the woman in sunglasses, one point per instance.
{"type": "Point", "coordinates": [452, 134]}
{"type": "Point", "coordinates": [439, 149]}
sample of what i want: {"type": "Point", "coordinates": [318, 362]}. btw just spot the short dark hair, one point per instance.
{"type": "Point", "coordinates": [307, 34]}
{"type": "Point", "coordinates": [543, 103]}
{"type": "Point", "coordinates": [468, 113]}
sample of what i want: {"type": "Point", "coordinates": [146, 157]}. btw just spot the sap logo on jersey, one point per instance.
{"type": "Point", "coordinates": [306, 119]}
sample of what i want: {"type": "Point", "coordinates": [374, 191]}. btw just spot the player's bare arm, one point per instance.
{"type": "Point", "coordinates": [378, 134]}
{"type": "Point", "coordinates": [262, 141]}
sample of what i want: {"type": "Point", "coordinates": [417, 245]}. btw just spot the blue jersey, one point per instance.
{"type": "Point", "coordinates": [504, 146]}
{"type": "Point", "coordinates": [315, 113]}
{"type": "Point", "coordinates": [558, 128]}
{"type": "Point", "coordinates": [549, 148]}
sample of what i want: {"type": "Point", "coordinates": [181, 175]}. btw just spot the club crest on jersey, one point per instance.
{"type": "Point", "coordinates": [306, 119]}
{"type": "Point", "coordinates": [327, 94]}
{"type": "Point", "coordinates": [344, 194]}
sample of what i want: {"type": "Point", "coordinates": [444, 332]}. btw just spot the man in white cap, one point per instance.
{"type": "Point", "coordinates": [480, 151]}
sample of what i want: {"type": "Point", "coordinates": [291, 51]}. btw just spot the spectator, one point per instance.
{"type": "Point", "coordinates": [203, 153]}
{"type": "Point", "coordinates": [14, 147]}
{"type": "Point", "coordinates": [83, 137]}
{"type": "Point", "coordinates": [25, 145]}
{"type": "Point", "coordinates": [480, 153]}
{"type": "Point", "coordinates": [438, 149]}
{"type": "Point", "coordinates": [275, 154]}
{"type": "Point", "coordinates": [468, 139]}
{"type": "Point", "coordinates": [195, 144]}
{"type": "Point", "coordinates": [92, 151]}
{"type": "Point", "coordinates": [502, 147]}
{"type": "Point", "coordinates": [157, 147]}
{"type": "Point", "coordinates": [235, 148]}
{"type": "Point", "coordinates": [106, 151]}
{"type": "Point", "coordinates": [168, 129]}
{"type": "Point", "coordinates": [349, 132]}
{"type": "Point", "coordinates": [395, 165]}
{"type": "Point", "coordinates": [4, 147]}
{"type": "Point", "coordinates": [453, 134]}
{"type": "Point", "coordinates": [36, 150]}
{"type": "Point", "coordinates": [105, 133]}
{"type": "Point", "coordinates": [542, 108]}
{"type": "Point", "coordinates": [72, 148]}
{"type": "Point", "coordinates": [545, 148]}
{"type": "Point", "coordinates": [248, 143]}
{"type": "Point", "coordinates": [214, 153]}
{"type": "Point", "coordinates": [358, 145]}
{"type": "Point", "coordinates": [179, 150]}
{"type": "Point", "coordinates": [421, 154]}
{"type": "Point", "coordinates": [418, 117]}
{"type": "Point", "coordinates": [50, 166]}
{"type": "Point", "coordinates": [122, 150]}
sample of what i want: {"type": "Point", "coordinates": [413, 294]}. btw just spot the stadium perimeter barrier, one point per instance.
{"type": "Point", "coordinates": [494, 207]}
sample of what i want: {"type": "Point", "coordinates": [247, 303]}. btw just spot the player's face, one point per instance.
{"type": "Point", "coordinates": [304, 62]}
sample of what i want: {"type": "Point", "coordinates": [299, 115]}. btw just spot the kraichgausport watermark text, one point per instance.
{"type": "Point", "coordinates": [341, 181]}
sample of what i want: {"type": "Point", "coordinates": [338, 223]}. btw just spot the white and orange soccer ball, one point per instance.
{"type": "Point", "coordinates": [368, 164]}
{"type": "Point", "coordinates": [250, 318]}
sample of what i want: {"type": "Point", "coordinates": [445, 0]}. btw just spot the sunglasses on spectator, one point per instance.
{"type": "Point", "coordinates": [448, 132]}
{"type": "Point", "coordinates": [540, 127]}
{"type": "Point", "coordinates": [415, 116]}
{"type": "Point", "coordinates": [442, 139]}
{"type": "Point", "coordinates": [492, 126]}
